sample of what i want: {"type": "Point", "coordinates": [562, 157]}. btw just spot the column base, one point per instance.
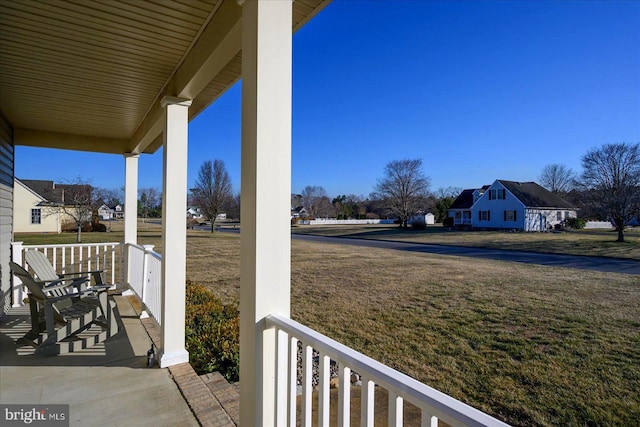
{"type": "Point", "coordinates": [174, 358]}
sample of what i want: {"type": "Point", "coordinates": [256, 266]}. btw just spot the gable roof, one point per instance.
{"type": "Point", "coordinates": [533, 195]}
{"type": "Point", "coordinates": [45, 189]}
{"type": "Point", "coordinates": [51, 192]}
{"type": "Point", "coordinates": [465, 199]}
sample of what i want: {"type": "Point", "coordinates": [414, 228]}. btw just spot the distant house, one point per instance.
{"type": "Point", "coordinates": [118, 212]}
{"type": "Point", "coordinates": [37, 206]}
{"type": "Point", "coordinates": [105, 212]}
{"type": "Point", "coordinates": [514, 205]}
{"type": "Point", "coordinates": [461, 208]}
{"type": "Point", "coordinates": [298, 212]}
{"type": "Point", "coordinates": [193, 212]}
{"type": "Point", "coordinates": [108, 213]}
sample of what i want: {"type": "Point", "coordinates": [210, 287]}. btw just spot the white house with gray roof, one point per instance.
{"type": "Point", "coordinates": [511, 205]}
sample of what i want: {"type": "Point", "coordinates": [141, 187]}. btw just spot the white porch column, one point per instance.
{"type": "Point", "coordinates": [131, 198]}
{"type": "Point", "coordinates": [174, 230]}
{"type": "Point", "coordinates": [265, 250]}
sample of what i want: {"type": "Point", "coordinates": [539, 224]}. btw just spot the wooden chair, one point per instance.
{"type": "Point", "coordinates": [43, 269]}
{"type": "Point", "coordinates": [86, 321]}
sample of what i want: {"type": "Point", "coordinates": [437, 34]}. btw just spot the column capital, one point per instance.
{"type": "Point", "coordinates": [173, 100]}
{"type": "Point", "coordinates": [131, 155]}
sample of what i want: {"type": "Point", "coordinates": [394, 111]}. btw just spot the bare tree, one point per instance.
{"type": "Point", "coordinates": [77, 203]}
{"type": "Point", "coordinates": [314, 200]}
{"type": "Point", "coordinates": [447, 192]}
{"type": "Point", "coordinates": [557, 178]}
{"type": "Point", "coordinates": [109, 196]}
{"type": "Point", "coordinates": [611, 174]}
{"type": "Point", "coordinates": [212, 192]}
{"type": "Point", "coordinates": [404, 188]}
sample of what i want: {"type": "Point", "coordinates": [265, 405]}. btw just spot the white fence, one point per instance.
{"type": "Point", "coordinates": [433, 404]}
{"type": "Point", "coordinates": [73, 258]}
{"type": "Point", "coordinates": [144, 273]}
{"type": "Point", "coordinates": [598, 224]}
{"type": "Point", "coordinates": [320, 221]}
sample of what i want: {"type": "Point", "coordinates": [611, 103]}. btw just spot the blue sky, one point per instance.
{"type": "Point", "coordinates": [480, 90]}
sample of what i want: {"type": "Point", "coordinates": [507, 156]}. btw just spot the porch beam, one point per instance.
{"type": "Point", "coordinates": [174, 231]}
{"type": "Point", "coordinates": [219, 42]}
{"type": "Point", "coordinates": [265, 241]}
{"type": "Point", "coordinates": [65, 141]}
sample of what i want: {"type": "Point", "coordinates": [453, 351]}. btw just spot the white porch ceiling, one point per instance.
{"type": "Point", "coordinates": [89, 75]}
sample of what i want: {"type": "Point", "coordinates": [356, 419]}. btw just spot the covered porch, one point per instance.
{"type": "Point", "coordinates": [126, 81]}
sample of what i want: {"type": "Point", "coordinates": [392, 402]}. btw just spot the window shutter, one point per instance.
{"type": "Point", "coordinates": [505, 215]}
{"type": "Point", "coordinates": [479, 215]}
{"type": "Point", "coordinates": [488, 215]}
{"type": "Point", "coordinates": [515, 215]}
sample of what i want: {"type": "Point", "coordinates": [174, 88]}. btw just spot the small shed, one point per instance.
{"type": "Point", "coordinates": [429, 219]}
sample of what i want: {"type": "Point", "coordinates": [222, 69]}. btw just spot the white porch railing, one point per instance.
{"type": "Point", "coordinates": [72, 258]}
{"type": "Point", "coordinates": [433, 404]}
{"type": "Point", "coordinates": [463, 221]}
{"type": "Point", "coordinates": [144, 273]}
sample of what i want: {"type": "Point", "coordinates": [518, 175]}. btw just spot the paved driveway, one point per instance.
{"type": "Point", "coordinates": [610, 265]}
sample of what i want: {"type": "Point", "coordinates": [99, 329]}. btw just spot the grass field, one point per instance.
{"type": "Point", "coordinates": [583, 242]}
{"type": "Point", "coordinates": [528, 344]}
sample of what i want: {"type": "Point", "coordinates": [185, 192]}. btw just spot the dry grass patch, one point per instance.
{"type": "Point", "coordinates": [596, 243]}
{"type": "Point", "coordinates": [531, 345]}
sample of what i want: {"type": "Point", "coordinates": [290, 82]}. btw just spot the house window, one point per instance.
{"type": "Point", "coordinates": [484, 215]}
{"type": "Point", "coordinates": [510, 215]}
{"type": "Point", "coordinates": [498, 194]}
{"type": "Point", "coordinates": [36, 216]}
{"type": "Point", "coordinates": [559, 215]}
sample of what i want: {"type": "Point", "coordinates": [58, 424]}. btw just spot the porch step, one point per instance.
{"type": "Point", "coordinates": [200, 398]}
{"type": "Point", "coordinates": [204, 404]}
{"type": "Point", "coordinates": [227, 394]}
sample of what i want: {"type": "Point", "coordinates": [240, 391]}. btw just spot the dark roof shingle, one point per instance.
{"type": "Point", "coordinates": [533, 195]}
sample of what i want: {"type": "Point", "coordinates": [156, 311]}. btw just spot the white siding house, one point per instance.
{"type": "Point", "coordinates": [32, 212]}
{"type": "Point", "coordinates": [510, 205]}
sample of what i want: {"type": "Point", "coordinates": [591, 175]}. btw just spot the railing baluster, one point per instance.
{"type": "Point", "coordinates": [428, 420]}
{"type": "Point", "coordinates": [64, 259]}
{"type": "Point", "coordinates": [344, 396]}
{"type": "Point", "coordinates": [367, 402]}
{"type": "Point", "coordinates": [307, 377]}
{"type": "Point", "coordinates": [113, 264]}
{"type": "Point", "coordinates": [293, 380]}
{"type": "Point", "coordinates": [282, 377]}
{"type": "Point", "coordinates": [324, 374]}
{"type": "Point", "coordinates": [55, 258]}
{"type": "Point", "coordinates": [395, 410]}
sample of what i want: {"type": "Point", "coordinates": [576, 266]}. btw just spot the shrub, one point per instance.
{"type": "Point", "coordinates": [448, 222]}
{"type": "Point", "coordinates": [96, 226]}
{"type": "Point", "coordinates": [419, 225]}
{"type": "Point", "coordinates": [575, 223]}
{"type": "Point", "coordinates": [212, 333]}
{"type": "Point", "coordinates": [72, 227]}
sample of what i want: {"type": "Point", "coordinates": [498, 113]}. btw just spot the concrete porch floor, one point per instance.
{"type": "Point", "coordinates": [108, 384]}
